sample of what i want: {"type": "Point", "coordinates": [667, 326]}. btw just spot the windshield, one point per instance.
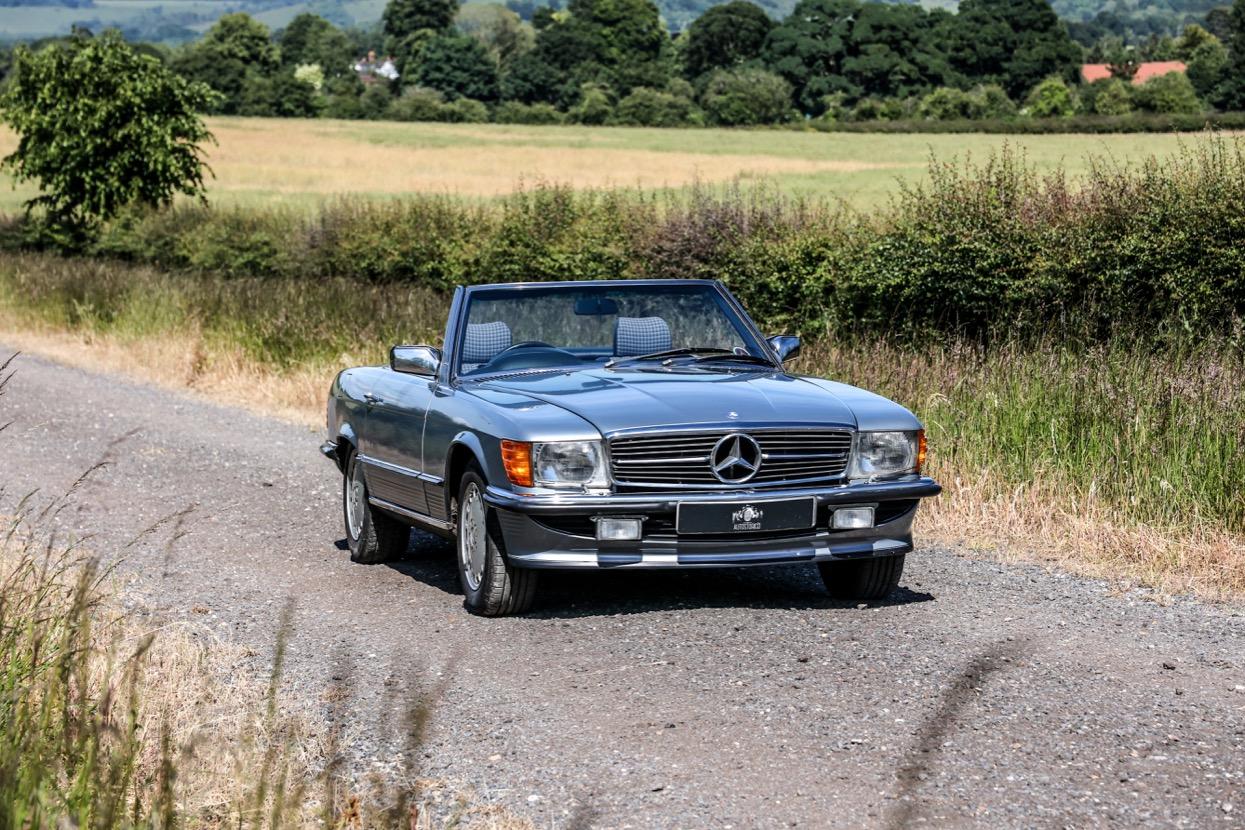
{"type": "Point", "coordinates": [513, 329]}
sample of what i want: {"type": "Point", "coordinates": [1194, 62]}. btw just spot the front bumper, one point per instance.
{"type": "Point", "coordinates": [554, 530]}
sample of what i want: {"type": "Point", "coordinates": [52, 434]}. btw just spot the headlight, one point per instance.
{"type": "Point", "coordinates": [882, 454]}
{"type": "Point", "coordinates": [579, 464]}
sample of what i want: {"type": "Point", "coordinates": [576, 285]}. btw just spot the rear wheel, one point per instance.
{"type": "Point", "coordinates": [872, 578]}
{"type": "Point", "coordinates": [373, 536]}
{"type": "Point", "coordinates": [491, 586]}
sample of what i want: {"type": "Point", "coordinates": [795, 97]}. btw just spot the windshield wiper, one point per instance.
{"type": "Point", "coordinates": [707, 351]}
{"type": "Point", "coordinates": [736, 358]}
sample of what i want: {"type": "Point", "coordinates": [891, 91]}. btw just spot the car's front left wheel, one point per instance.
{"type": "Point", "coordinates": [492, 587]}
{"type": "Point", "coordinates": [373, 536]}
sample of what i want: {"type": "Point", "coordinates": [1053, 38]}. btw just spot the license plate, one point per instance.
{"type": "Point", "coordinates": [746, 516]}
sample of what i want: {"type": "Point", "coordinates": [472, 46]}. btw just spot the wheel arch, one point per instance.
{"type": "Point", "coordinates": [464, 449]}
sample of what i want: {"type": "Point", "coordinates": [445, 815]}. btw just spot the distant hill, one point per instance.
{"type": "Point", "coordinates": [173, 21]}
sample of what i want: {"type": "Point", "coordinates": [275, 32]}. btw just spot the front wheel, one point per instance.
{"type": "Point", "coordinates": [872, 578]}
{"type": "Point", "coordinates": [373, 536]}
{"type": "Point", "coordinates": [491, 586]}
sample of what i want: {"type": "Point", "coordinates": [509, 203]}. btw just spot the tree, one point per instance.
{"type": "Point", "coordinates": [402, 18]}
{"type": "Point", "coordinates": [1050, 99]}
{"type": "Point", "coordinates": [1112, 97]}
{"type": "Point", "coordinates": [1231, 93]}
{"type": "Point", "coordinates": [1207, 70]}
{"type": "Point", "coordinates": [1015, 43]}
{"type": "Point", "coordinates": [743, 97]}
{"type": "Point", "coordinates": [231, 53]}
{"type": "Point", "coordinates": [653, 108]}
{"type": "Point", "coordinates": [948, 104]}
{"type": "Point", "coordinates": [808, 49]}
{"type": "Point", "coordinates": [498, 29]}
{"type": "Point", "coordinates": [724, 37]}
{"type": "Point", "coordinates": [620, 43]}
{"type": "Point", "coordinates": [459, 67]}
{"type": "Point", "coordinates": [102, 128]}
{"type": "Point", "coordinates": [311, 39]}
{"type": "Point", "coordinates": [1170, 93]}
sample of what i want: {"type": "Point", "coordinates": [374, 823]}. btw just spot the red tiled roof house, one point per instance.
{"type": "Point", "coordinates": [1091, 72]}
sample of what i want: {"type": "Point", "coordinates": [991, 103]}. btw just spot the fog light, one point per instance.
{"type": "Point", "coordinates": [617, 530]}
{"type": "Point", "coordinates": [852, 518]}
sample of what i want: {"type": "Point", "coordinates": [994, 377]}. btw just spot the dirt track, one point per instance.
{"type": "Point", "coordinates": [978, 695]}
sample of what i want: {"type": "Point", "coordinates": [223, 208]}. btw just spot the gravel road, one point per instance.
{"type": "Point", "coordinates": [979, 694]}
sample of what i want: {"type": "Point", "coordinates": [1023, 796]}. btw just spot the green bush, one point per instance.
{"type": "Point", "coordinates": [979, 248]}
{"type": "Point", "coordinates": [1170, 93]}
{"type": "Point", "coordinates": [1111, 96]}
{"type": "Point", "coordinates": [418, 104]}
{"type": "Point", "coordinates": [1050, 99]}
{"type": "Point", "coordinates": [746, 97]}
{"type": "Point", "coordinates": [948, 103]}
{"type": "Point", "coordinates": [513, 112]}
{"type": "Point", "coordinates": [646, 107]}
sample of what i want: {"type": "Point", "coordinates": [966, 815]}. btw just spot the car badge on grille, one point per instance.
{"type": "Point", "coordinates": [735, 458]}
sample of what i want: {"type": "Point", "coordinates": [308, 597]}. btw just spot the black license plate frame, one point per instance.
{"type": "Point", "coordinates": [745, 517]}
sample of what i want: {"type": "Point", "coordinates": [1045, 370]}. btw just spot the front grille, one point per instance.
{"type": "Point", "coordinates": [788, 456]}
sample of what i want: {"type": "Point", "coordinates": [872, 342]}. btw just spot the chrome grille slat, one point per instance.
{"type": "Point", "coordinates": [789, 455]}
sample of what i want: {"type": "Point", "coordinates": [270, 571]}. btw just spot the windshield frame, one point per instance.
{"type": "Point", "coordinates": [743, 323]}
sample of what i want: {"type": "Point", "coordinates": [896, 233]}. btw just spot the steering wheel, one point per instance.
{"type": "Point", "coordinates": [524, 345]}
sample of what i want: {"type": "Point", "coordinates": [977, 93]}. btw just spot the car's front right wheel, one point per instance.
{"type": "Point", "coordinates": [872, 578]}
{"type": "Point", "coordinates": [492, 587]}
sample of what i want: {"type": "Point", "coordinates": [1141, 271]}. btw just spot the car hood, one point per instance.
{"type": "Point", "coordinates": [618, 400]}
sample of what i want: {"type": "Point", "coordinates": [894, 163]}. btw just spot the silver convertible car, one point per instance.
{"type": "Point", "coordinates": [621, 424]}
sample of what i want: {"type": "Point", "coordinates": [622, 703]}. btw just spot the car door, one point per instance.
{"type": "Point", "coordinates": [392, 444]}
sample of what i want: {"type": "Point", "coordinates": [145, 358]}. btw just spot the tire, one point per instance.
{"type": "Point", "coordinates": [872, 578]}
{"type": "Point", "coordinates": [491, 586]}
{"type": "Point", "coordinates": [373, 536]}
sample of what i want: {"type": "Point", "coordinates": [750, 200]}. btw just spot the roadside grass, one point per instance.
{"type": "Point", "coordinates": [300, 163]}
{"type": "Point", "coordinates": [1119, 459]}
{"type": "Point", "coordinates": [113, 715]}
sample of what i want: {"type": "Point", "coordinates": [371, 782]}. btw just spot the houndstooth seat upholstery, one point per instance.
{"type": "Point", "coordinates": [640, 335]}
{"type": "Point", "coordinates": [484, 341]}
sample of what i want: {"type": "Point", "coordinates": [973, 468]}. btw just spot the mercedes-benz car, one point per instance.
{"type": "Point", "coordinates": [621, 424]}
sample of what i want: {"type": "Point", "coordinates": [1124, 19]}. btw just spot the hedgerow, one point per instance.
{"type": "Point", "coordinates": [975, 249]}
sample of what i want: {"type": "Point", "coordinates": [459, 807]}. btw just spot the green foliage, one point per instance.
{"type": "Point", "coordinates": [1207, 69]}
{"type": "Point", "coordinates": [596, 105]}
{"type": "Point", "coordinates": [1015, 43]}
{"type": "Point", "coordinates": [1112, 97]}
{"type": "Point", "coordinates": [417, 104]}
{"type": "Point", "coordinates": [725, 37]}
{"type": "Point", "coordinates": [460, 67]}
{"type": "Point", "coordinates": [310, 39]}
{"type": "Point", "coordinates": [402, 18]}
{"type": "Point", "coordinates": [828, 47]}
{"type": "Point", "coordinates": [234, 53]}
{"type": "Point", "coordinates": [101, 128]}
{"type": "Point", "coordinates": [1050, 99]}
{"type": "Point", "coordinates": [1170, 93]}
{"type": "Point", "coordinates": [653, 108]}
{"type": "Point", "coordinates": [744, 97]}
{"type": "Point", "coordinates": [513, 112]}
{"type": "Point", "coordinates": [1231, 91]}
{"type": "Point", "coordinates": [946, 103]}
{"type": "Point", "coordinates": [498, 29]}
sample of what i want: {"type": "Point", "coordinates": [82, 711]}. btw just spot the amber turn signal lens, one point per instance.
{"type": "Point", "coordinates": [516, 457]}
{"type": "Point", "coordinates": [920, 450]}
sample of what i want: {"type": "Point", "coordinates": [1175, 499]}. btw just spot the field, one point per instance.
{"type": "Point", "coordinates": [300, 163]}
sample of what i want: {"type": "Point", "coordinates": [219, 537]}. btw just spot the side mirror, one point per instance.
{"type": "Point", "coordinates": [415, 360]}
{"type": "Point", "coordinates": [786, 346]}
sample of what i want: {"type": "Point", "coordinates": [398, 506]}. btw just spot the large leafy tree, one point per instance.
{"type": "Point", "coordinates": [498, 29]}
{"type": "Point", "coordinates": [102, 127]}
{"type": "Point", "coordinates": [724, 37]}
{"type": "Point", "coordinates": [310, 39]}
{"type": "Point", "coordinates": [1015, 43]}
{"type": "Point", "coordinates": [828, 47]}
{"type": "Point", "coordinates": [809, 48]}
{"type": "Point", "coordinates": [619, 43]}
{"type": "Point", "coordinates": [459, 67]}
{"type": "Point", "coordinates": [1231, 93]}
{"type": "Point", "coordinates": [235, 52]}
{"type": "Point", "coordinates": [403, 18]}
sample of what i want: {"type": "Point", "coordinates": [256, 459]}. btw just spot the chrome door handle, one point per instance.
{"type": "Point", "coordinates": [372, 399]}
